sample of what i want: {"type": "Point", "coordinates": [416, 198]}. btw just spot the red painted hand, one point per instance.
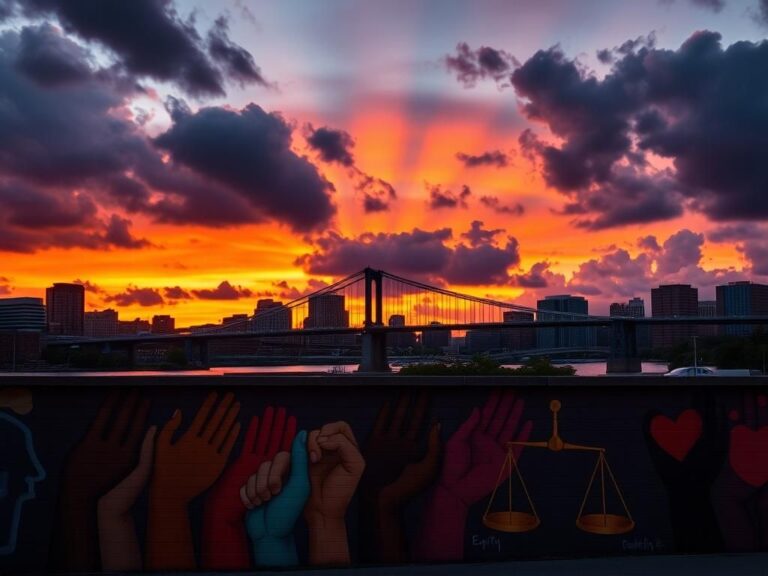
{"type": "Point", "coordinates": [225, 543]}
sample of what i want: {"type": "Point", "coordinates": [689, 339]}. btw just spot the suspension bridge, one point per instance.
{"type": "Point", "coordinates": [357, 306]}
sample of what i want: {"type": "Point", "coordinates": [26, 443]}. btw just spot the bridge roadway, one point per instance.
{"type": "Point", "coordinates": [594, 321]}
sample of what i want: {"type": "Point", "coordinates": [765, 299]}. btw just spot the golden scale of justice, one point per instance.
{"type": "Point", "coordinates": [597, 523]}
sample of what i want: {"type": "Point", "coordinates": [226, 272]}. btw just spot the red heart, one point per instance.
{"type": "Point", "coordinates": [677, 437]}
{"type": "Point", "coordinates": [749, 454]}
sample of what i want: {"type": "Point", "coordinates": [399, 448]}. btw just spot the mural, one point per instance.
{"type": "Point", "coordinates": [243, 476]}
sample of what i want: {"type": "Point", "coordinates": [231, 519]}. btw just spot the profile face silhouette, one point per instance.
{"type": "Point", "coordinates": [20, 470]}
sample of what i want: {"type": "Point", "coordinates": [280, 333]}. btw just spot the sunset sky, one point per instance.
{"type": "Point", "coordinates": [189, 157]}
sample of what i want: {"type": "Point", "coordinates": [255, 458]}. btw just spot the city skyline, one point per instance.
{"type": "Point", "coordinates": [501, 149]}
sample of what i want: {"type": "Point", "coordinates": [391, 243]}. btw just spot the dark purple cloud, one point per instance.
{"type": "Point", "coordinates": [331, 145]}
{"type": "Point", "coordinates": [118, 234]}
{"type": "Point", "coordinates": [249, 152]}
{"type": "Point", "coordinates": [681, 104]}
{"type": "Point", "coordinates": [335, 146]}
{"type": "Point", "coordinates": [607, 56]}
{"type": "Point", "coordinates": [649, 244]}
{"type": "Point", "coordinates": [45, 56]}
{"type": "Point", "coordinates": [539, 276]}
{"type": "Point", "coordinates": [495, 204]}
{"type": "Point", "coordinates": [150, 38]}
{"type": "Point", "coordinates": [176, 293]}
{"type": "Point", "coordinates": [714, 5]}
{"type": "Point", "coordinates": [761, 12]}
{"type": "Point", "coordinates": [5, 285]}
{"type": "Point", "coordinates": [485, 62]}
{"type": "Point", "coordinates": [756, 251]}
{"type": "Point", "coordinates": [417, 254]}
{"type": "Point", "coordinates": [134, 295]}
{"type": "Point", "coordinates": [439, 198]}
{"type": "Point", "coordinates": [737, 232]}
{"type": "Point", "coordinates": [378, 194]}
{"type": "Point", "coordinates": [482, 264]}
{"type": "Point", "coordinates": [224, 291]}
{"type": "Point", "coordinates": [495, 158]}
{"type": "Point", "coordinates": [236, 61]}
{"type": "Point", "coordinates": [477, 235]}
{"type": "Point", "coordinates": [680, 250]}
{"type": "Point", "coordinates": [90, 286]}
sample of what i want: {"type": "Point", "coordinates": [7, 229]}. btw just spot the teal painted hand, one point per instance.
{"type": "Point", "coordinates": [274, 507]}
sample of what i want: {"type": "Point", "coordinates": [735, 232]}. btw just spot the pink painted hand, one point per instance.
{"type": "Point", "coordinates": [473, 457]}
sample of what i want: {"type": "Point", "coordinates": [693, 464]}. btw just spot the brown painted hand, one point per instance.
{"type": "Point", "coordinates": [397, 468]}
{"type": "Point", "coordinates": [183, 470]}
{"type": "Point", "coordinates": [106, 454]}
{"type": "Point", "coordinates": [109, 449]}
{"type": "Point", "coordinates": [120, 550]}
{"type": "Point", "coordinates": [187, 467]}
{"type": "Point", "coordinates": [335, 470]}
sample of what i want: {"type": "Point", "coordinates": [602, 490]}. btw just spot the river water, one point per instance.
{"type": "Point", "coordinates": [582, 369]}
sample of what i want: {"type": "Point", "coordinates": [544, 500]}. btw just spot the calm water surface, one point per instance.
{"type": "Point", "coordinates": [582, 369]}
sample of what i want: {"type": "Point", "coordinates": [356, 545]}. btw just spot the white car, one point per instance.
{"type": "Point", "coordinates": [691, 371]}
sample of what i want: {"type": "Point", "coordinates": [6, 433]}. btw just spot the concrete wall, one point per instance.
{"type": "Point", "coordinates": [236, 473]}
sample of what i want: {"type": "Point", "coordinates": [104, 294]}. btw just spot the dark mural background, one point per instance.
{"type": "Point", "coordinates": [106, 477]}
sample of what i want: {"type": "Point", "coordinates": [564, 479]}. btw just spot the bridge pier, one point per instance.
{"type": "Point", "coordinates": [374, 353]}
{"type": "Point", "coordinates": [623, 356]}
{"type": "Point", "coordinates": [196, 352]}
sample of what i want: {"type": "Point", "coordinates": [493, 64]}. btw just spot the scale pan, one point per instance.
{"type": "Point", "coordinates": [511, 521]}
{"type": "Point", "coordinates": [605, 523]}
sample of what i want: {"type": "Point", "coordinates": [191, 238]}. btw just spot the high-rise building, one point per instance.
{"type": "Point", "coordinates": [65, 307]}
{"type": "Point", "coordinates": [101, 324]}
{"type": "Point", "coordinates": [137, 326]}
{"type": "Point", "coordinates": [741, 299]}
{"type": "Point", "coordinates": [673, 300]}
{"type": "Point", "coordinates": [707, 309]}
{"type": "Point", "coordinates": [163, 324]}
{"type": "Point", "coordinates": [563, 307]}
{"type": "Point", "coordinates": [22, 314]}
{"type": "Point", "coordinates": [435, 339]}
{"type": "Point", "coordinates": [271, 316]}
{"type": "Point", "coordinates": [234, 323]}
{"type": "Point", "coordinates": [635, 308]}
{"type": "Point", "coordinates": [520, 338]}
{"type": "Point", "coordinates": [327, 311]}
{"type": "Point", "coordinates": [400, 339]}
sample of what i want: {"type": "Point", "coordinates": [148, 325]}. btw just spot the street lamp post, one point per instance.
{"type": "Point", "coordinates": [695, 359]}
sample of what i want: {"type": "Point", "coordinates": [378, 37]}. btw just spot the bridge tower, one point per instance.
{"type": "Point", "coordinates": [374, 343]}
{"type": "Point", "coordinates": [623, 357]}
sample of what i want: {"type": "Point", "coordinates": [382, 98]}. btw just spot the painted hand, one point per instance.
{"type": "Point", "coordinates": [475, 453]}
{"type": "Point", "coordinates": [398, 468]}
{"type": "Point", "coordinates": [335, 470]}
{"type": "Point", "coordinates": [187, 467]}
{"type": "Point", "coordinates": [183, 470]}
{"type": "Point", "coordinates": [119, 544]}
{"type": "Point", "coordinates": [224, 543]}
{"type": "Point", "coordinates": [106, 454]}
{"type": "Point", "coordinates": [274, 508]}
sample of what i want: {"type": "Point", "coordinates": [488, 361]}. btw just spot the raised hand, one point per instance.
{"type": "Point", "coordinates": [106, 454]}
{"type": "Point", "coordinates": [476, 451]}
{"type": "Point", "coordinates": [335, 470]}
{"type": "Point", "coordinates": [274, 508]}
{"type": "Point", "coordinates": [398, 467]}
{"type": "Point", "coordinates": [120, 550]}
{"type": "Point", "coordinates": [742, 498]}
{"type": "Point", "coordinates": [688, 455]}
{"type": "Point", "coordinates": [182, 471]}
{"type": "Point", "coordinates": [225, 543]}
{"type": "Point", "coordinates": [473, 457]}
